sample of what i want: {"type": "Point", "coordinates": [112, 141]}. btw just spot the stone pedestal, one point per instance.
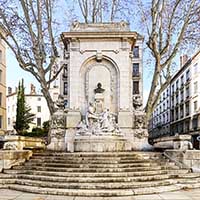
{"type": "Point", "coordinates": [182, 142]}
{"type": "Point", "coordinates": [57, 141]}
{"type": "Point", "coordinates": [101, 143]}
{"type": "Point", "coordinates": [57, 128]}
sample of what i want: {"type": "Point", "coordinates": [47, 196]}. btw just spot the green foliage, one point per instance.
{"type": "Point", "coordinates": [46, 126]}
{"type": "Point", "coordinates": [37, 132]}
{"type": "Point", "coordinates": [24, 117]}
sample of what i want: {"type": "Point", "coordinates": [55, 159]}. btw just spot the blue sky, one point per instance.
{"type": "Point", "coordinates": [15, 73]}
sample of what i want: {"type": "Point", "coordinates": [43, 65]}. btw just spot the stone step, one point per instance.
{"type": "Point", "coordinates": [95, 193]}
{"type": "Point", "coordinates": [101, 185]}
{"type": "Point", "coordinates": [90, 165]}
{"type": "Point", "coordinates": [189, 176]}
{"type": "Point", "coordinates": [83, 160]}
{"type": "Point", "coordinates": [85, 154]}
{"type": "Point", "coordinates": [70, 179]}
{"type": "Point", "coordinates": [94, 174]}
{"type": "Point", "coordinates": [89, 169]}
{"type": "Point", "coordinates": [101, 155]}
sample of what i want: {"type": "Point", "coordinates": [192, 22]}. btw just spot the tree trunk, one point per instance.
{"type": "Point", "coordinates": [48, 98]}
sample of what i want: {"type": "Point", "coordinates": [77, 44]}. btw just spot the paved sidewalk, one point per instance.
{"type": "Point", "coordinates": [6, 194]}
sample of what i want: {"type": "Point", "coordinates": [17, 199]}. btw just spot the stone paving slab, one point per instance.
{"type": "Point", "coordinates": [194, 194]}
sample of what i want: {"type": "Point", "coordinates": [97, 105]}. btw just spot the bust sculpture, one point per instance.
{"type": "Point", "coordinates": [99, 89]}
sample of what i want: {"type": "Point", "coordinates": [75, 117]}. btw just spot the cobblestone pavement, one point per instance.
{"type": "Point", "coordinates": [178, 195]}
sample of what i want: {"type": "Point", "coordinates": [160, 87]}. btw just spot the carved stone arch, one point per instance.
{"type": "Point", "coordinates": [109, 67]}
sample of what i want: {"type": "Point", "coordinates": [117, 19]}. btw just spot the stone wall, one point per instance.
{"type": "Point", "coordinates": [189, 158]}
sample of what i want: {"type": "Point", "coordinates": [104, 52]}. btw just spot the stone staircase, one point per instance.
{"type": "Point", "coordinates": [98, 174]}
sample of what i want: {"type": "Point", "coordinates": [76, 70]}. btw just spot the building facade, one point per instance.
{"type": "Point", "coordinates": [184, 103]}
{"type": "Point", "coordinates": [2, 86]}
{"type": "Point", "coordinates": [37, 104]}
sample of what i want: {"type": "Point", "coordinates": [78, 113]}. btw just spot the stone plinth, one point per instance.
{"type": "Point", "coordinates": [174, 142]}
{"type": "Point", "coordinates": [100, 143]}
{"type": "Point", "coordinates": [14, 142]}
{"type": "Point", "coordinates": [9, 158]}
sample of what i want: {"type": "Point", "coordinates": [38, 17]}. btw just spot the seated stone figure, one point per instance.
{"type": "Point", "coordinates": [91, 116]}
{"type": "Point", "coordinates": [107, 121]}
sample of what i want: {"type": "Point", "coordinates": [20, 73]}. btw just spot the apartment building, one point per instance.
{"type": "Point", "coordinates": [184, 103]}
{"type": "Point", "coordinates": [2, 85]}
{"type": "Point", "coordinates": [38, 106]}
{"type": "Point", "coordinates": [160, 120]}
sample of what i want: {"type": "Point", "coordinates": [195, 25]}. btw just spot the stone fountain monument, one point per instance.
{"type": "Point", "coordinates": [101, 85]}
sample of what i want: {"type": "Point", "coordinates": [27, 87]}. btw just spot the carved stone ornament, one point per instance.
{"type": "Point", "coordinates": [140, 133]}
{"type": "Point", "coordinates": [10, 146]}
{"type": "Point", "coordinates": [137, 103]}
{"type": "Point", "coordinates": [140, 121]}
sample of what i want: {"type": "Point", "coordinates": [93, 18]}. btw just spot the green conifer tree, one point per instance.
{"type": "Point", "coordinates": [23, 117]}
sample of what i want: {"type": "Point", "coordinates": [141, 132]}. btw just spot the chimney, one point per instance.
{"type": "Point", "coordinates": [9, 90]}
{"type": "Point", "coordinates": [183, 60]}
{"type": "Point", "coordinates": [32, 91]}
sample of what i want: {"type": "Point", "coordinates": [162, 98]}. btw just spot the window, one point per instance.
{"type": "Point", "coordinates": [182, 95]}
{"type": "Point", "coordinates": [177, 98]}
{"type": "Point", "coordinates": [38, 108]}
{"type": "Point", "coordinates": [135, 87]}
{"type": "Point", "coordinates": [135, 69]}
{"type": "Point", "coordinates": [65, 71]}
{"type": "Point", "coordinates": [9, 121]}
{"type": "Point", "coordinates": [187, 108]}
{"type": "Point", "coordinates": [187, 125]}
{"type": "Point", "coordinates": [182, 80]}
{"type": "Point", "coordinates": [65, 89]}
{"type": "Point", "coordinates": [195, 105]}
{"type": "Point", "coordinates": [196, 68]}
{"type": "Point", "coordinates": [195, 122]}
{"type": "Point", "coordinates": [181, 111]}
{"type": "Point", "coordinates": [172, 88]}
{"type": "Point", "coordinates": [187, 92]}
{"type": "Point", "coordinates": [1, 74]}
{"type": "Point", "coordinates": [177, 84]}
{"type": "Point", "coordinates": [172, 101]}
{"type": "Point", "coordinates": [39, 99]}
{"type": "Point", "coordinates": [163, 95]}
{"type": "Point", "coordinates": [1, 121]}
{"type": "Point", "coordinates": [195, 87]}
{"type": "Point", "coordinates": [39, 121]}
{"type": "Point", "coordinates": [177, 113]}
{"type": "Point", "coordinates": [136, 52]}
{"type": "Point", "coordinates": [188, 75]}
{"type": "Point", "coordinates": [0, 99]}
{"type": "Point", "coordinates": [1, 56]}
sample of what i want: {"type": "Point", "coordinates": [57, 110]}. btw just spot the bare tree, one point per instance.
{"type": "Point", "coordinates": [30, 26]}
{"type": "Point", "coordinates": [169, 26]}
{"type": "Point", "coordinates": [94, 11]}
